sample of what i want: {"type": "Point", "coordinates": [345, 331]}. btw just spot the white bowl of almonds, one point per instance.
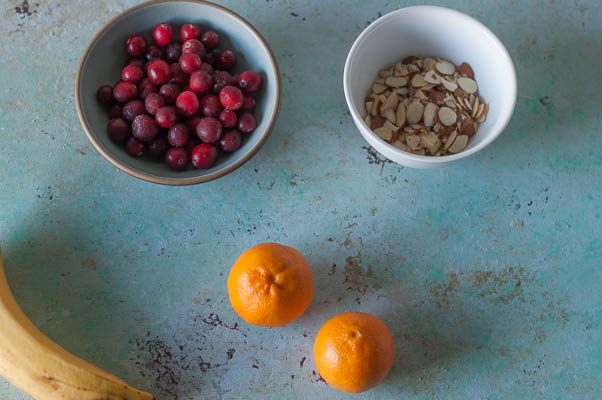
{"type": "Point", "coordinates": [428, 85]}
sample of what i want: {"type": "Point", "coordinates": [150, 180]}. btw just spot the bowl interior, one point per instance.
{"type": "Point", "coordinates": [106, 57]}
{"type": "Point", "coordinates": [435, 31]}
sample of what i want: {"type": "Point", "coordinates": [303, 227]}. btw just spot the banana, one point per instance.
{"type": "Point", "coordinates": [34, 363]}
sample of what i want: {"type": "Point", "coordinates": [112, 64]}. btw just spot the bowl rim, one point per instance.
{"type": "Point", "coordinates": [414, 159]}
{"type": "Point", "coordinates": [184, 181]}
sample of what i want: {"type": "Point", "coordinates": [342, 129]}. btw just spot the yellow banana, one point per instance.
{"type": "Point", "coordinates": [34, 363]}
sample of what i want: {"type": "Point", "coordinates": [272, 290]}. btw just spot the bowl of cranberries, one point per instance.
{"type": "Point", "coordinates": [178, 92]}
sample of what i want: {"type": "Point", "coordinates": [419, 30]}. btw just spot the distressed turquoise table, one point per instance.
{"type": "Point", "coordinates": [488, 272]}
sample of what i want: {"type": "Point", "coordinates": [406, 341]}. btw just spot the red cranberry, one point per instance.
{"type": "Point", "coordinates": [177, 158]}
{"type": "Point", "coordinates": [246, 122]}
{"type": "Point", "coordinates": [200, 81]}
{"type": "Point", "coordinates": [136, 45]}
{"type": "Point", "coordinates": [124, 92]}
{"type": "Point", "coordinates": [132, 109]}
{"type": "Point", "coordinates": [163, 34]}
{"type": "Point", "coordinates": [190, 62]}
{"type": "Point", "coordinates": [210, 105]}
{"type": "Point", "coordinates": [137, 62]}
{"type": "Point", "coordinates": [104, 95]}
{"type": "Point", "coordinates": [250, 81]}
{"type": "Point", "coordinates": [144, 128]}
{"type": "Point", "coordinates": [170, 92]}
{"type": "Point", "coordinates": [209, 130]}
{"type": "Point", "coordinates": [192, 122]}
{"type": "Point", "coordinates": [173, 51]}
{"type": "Point", "coordinates": [231, 97]}
{"type": "Point", "coordinates": [146, 87]}
{"type": "Point", "coordinates": [118, 129]}
{"type": "Point", "coordinates": [166, 116]}
{"type": "Point", "coordinates": [221, 79]}
{"type": "Point", "coordinates": [177, 75]}
{"type": "Point", "coordinates": [189, 31]}
{"type": "Point", "coordinates": [204, 156]}
{"type": "Point", "coordinates": [132, 74]}
{"type": "Point", "coordinates": [115, 111]}
{"type": "Point", "coordinates": [248, 103]}
{"type": "Point", "coordinates": [158, 72]}
{"type": "Point", "coordinates": [210, 39]}
{"type": "Point", "coordinates": [153, 53]}
{"type": "Point", "coordinates": [226, 59]}
{"type": "Point", "coordinates": [228, 118]}
{"type": "Point", "coordinates": [178, 135]}
{"type": "Point", "coordinates": [187, 103]}
{"type": "Point", "coordinates": [230, 141]}
{"type": "Point", "coordinates": [158, 147]}
{"type": "Point", "coordinates": [207, 68]}
{"type": "Point", "coordinates": [153, 102]}
{"type": "Point", "coordinates": [134, 148]}
{"type": "Point", "coordinates": [194, 46]}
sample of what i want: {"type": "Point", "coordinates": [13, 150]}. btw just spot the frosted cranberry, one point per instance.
{"type": "Point", "coordinates": [231, 97]}
{"type": "Point", "coordinates": [192, 122]}
{"type": "Point", "coordinates": [177, 75]}
{"type": "Point", "coordinates": [153, 102]}
{"type": "Point", "coordinates": [190, 62]}
{"type": "Point", "coordinates": [177, 158]}
{"type": "Point", "coordinates": [221, 79]}
{"type": "Point", "coordinates": [207, 68]}
{"type": "Point", "coordinates": [187, 103]}
{"type": "Point", "coordinates": [137, 62]}
{"type": "Point", "coordinates": [178, 135]}
{"type": "Point", "coordinates": [226, 59]}
{"type": "Point", "coordinates": [115, 111]}
{"type": "Point", "coordinates": [144, 128]}
{"type": "Point", "coordinates": [146, 87]}
{"type": "Point", "coordinates": [153, 53]}
{"type": "Point", "coordinates": [124, 92]}
{"type": "Point", "coordinates": [250, 81]}
{"type": "Point", "coordinates": [189, 31]}
{"type": "Point", "coordinates": [132, 109]}
{"type": "Point", "coordinates": [228, 118]}
{"type": "Point", "coordinates": [158, 72]}
{"type": "Point", "coordinates": [158, 147]}
{"type": "Point", "coordinates": [166, 116]}
{"type": "Point", "coordinates": [104, 95]}
{"type": "Point", "coordinates": [132, 74]}
{"type": "Point", "coordinates": [173, 51]}
{"type": "Point", "coordinates": [210, 39]}
{"type": "Point", "coordinates": [194, 46]}
{"type": "Point", "coordinates": [210, 105]}
{"type": "Point", "coordinates": [230, 141]}
{"type": "Point", "coordinates": [248, 103]}
{"type": "Point", "coordinates": [246, 122]}
{"type": "Point", "coordinates": [170, 92]}
{"type": "Point", "coordinates": [163, 34]}
{"type": "Point", "coordinates": [118, 129]}
{"type": "Point", "coordinates": [204, 156]}
{"type": "Point", "coordinates": [200, 81]}
{"type": "Point", "coordinates": [134, 147]}
{"type": "Point", "coordinates": [209, 130]}
{"type": "Point", "coordinates": [136, 45]}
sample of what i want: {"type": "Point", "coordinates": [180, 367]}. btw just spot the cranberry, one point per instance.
{"type": "Point", "coordinates": [230, 141]}
{"type": "Point", "coordinates": [153, 102]}
{"type": "Point", "coordinates": [177, 158]}
{"type": "Point", "coordinates": [190, 62]}
{"type": "Point", "coordinates": [207, 68]}
{"type": "Point", "coordinates": [146, 87]}
{"type": "Point", "coordinates": [231, 97]}
{"type": "Point", "coordinates": [177, 75]}
{"type": "Point", "coordinates": [132, 109]}
{"type": "Point", "coordinates": [187, 103]}
{"type": "Point", "coordinates": [204, 156]}
{"type": "Point", "coordinates": [137, 62]}
{"type": "Point", "coordinates": [250, 81]}
{"type": "Point", "coordinates": [189, 31]}
{"type": "Point", "coordinates": [163, 34]}
{"type": "Point", "coordinates": [192, 122]}
{"type": "Point", "coordinates": [131, 73]}
{"type": "Point", "coordinates": [194, 46]}
{"type": "Point", "coordinates": [178, 135]}
{"type": "Point", "coordinates": [248, 103]}
{"type": "Point", "coordinates": [115, 111]}
{"type": "Point", "coordinates": [104, 95]}
{"type": "Point", "coordinates": [226, 59]}
{"type": "Point", "coordinates": [118, 129]}
{"type": "Point", "coordinates": [246, 122]}
{"type": "Point", "coordinates": [134, 147]}
{"type": "Point", "coordinates": [124, 92]}
{"type": "Point", "coordinates": [166, 116]}
{"type": "Point", "coordinates": [173, 51]}
{"type": "Point", "coordinates": [153, 53]}
{"type": "Point", "coordinates": [228, 118]}
{"type": "Point", "coordinates": [210, 39]}
{"type": "Point", "coordinates": [170, 92]}
{"type": "Point", "coordinates": [158, 147]}
{"type": "Point", "coordinates": [200, 81]}
{"type": "Point", "coordinates": [144, 128]}
{"type": "Point", "coordinates": [209, 130]}
{"type": "Point", "coordinates": [136, 45]}
{"type": "Point", "coordinates": [158, 72]}
{"type": "Point", "coordinates": [210, 105]}
{"type": "Point", "coordinates": [221, 79]}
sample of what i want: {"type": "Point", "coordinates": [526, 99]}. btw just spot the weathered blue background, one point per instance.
{"type": "Point", "coordinates": [488, 272]}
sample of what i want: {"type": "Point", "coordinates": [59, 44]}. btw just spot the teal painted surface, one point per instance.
{"type": "Point", "coordinates": [487, 272]}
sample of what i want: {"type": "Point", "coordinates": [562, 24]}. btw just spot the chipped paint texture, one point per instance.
{"type": "Point", "coordinates": [488, 272]}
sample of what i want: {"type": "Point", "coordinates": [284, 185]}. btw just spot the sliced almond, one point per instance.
{"type": "Point", "coordinates": [420, 95]}
{"type": "Point", "coordinates": [432, 77]}
{"type": "Point", "coordinates": [435, 96]}
{"type": "Point", "coordinates": [391, 126]}
{"type": "Point", "coordinates": [400, 145]}
{"type": "Point", "coordinates": [466, 104]}
{"type": "Point", "coordinates": [430, 141]}
{"type": "Point", "coordinates": [468, 85]}
{"type": "Point", "coordinates": [375, 107]}
{"type": "Point", "coordinates": [400, 115]}
{"type": "Point", "coordinates": [451, 104]}
{"type": "Point", "coordinates": [413, 142]}
{"type": "Point", "coordinates": [385, 73]}
{"type": "Point", "coordinates": [368, 106]}
{"type": "Point", "coordinates": [429, 64]}
{"type": "Point", "coordinates": [420, 152]}
{"type": "Point", "coordinates": [413, 68]}
{"type": "Point", "coordinates": [430, 113]}
{"type": "Point", "coordinates": [447, 116]}
{"type": "Point", "coordinates": [384, 133]}
{"type": "Point", "coordinates": [418, 81]}
{"type": "Point", "coordinates": [400, 70]}
{"type": "Point", "coordinates": [450, 86]}
{"type": "Point", "coordinates": [468, 127]}
{"type": "Point", "coordinates": [459, 93]}
{"type": "Point", "coordinates": [446, 68]}
{"type": "Point", "coordinates": [378, 88]}
{"type": "Point", "coordinates": [450, 140]}
{"type": "Point", "coordinates": [389, 114]}
{"type": "Point", "coordinates": [466, 70]}
{"type": "Point", "coordinates": [377, 122]}
{"type": "Point", "coordinates": [368, 119]}
{"type": "Point", "coordinates": [414, 112]}
{"type": "Point", "coordinates": [390, 103]}
{"type": "Point", "coordinates": [396, 81]}
{"type": "Point", "coordinates": [459, 144]}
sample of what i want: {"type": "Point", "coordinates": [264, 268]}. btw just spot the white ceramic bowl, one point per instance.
{"type": "Point", "coordinates": [432, 31]}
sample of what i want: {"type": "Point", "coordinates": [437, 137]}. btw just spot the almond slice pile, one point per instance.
{"type": "Point", "coordinates": [426, 106]}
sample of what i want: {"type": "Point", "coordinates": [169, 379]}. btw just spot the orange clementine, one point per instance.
{"type": "Point", "coordinates": [353, 351]}
{"type": "Point", "coordinates": [270, 285]}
